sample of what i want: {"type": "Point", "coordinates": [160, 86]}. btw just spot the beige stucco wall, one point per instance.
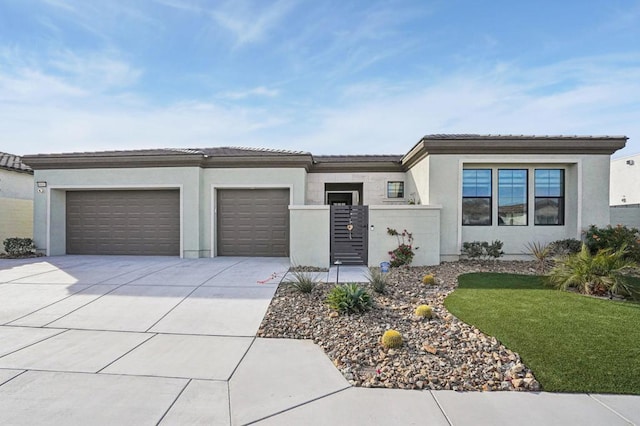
{"type": "Point", "coordinates": [374, 186]}
{"type": "Point", "coordinates": [422, 221]}
{"type": "Point", "coordinates": [293, 179]}
{"type": "Point", "coordinates": [418, 181]}
{"type": "Point", "coordinates": [196, 185]}
{"type": "Point", "coordinates": [16, 219]}
{"type": "Point", "coordinates": [16, 185]}
{"type": "Point", "coordinates": [586, 199]}
{"type": "Point", "coordinates": [309, 236]}
{"type": "Point", "coordinates": [626, 215]}
{"type": "Point", "coordinates": [59, 181]}
{"type": "Point", "coordinates": [625, 181]}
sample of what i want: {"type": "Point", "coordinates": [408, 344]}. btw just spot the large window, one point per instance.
{"type": "Point", "coordinates": [512, 197]}
{"type": "Point", "coordinates": [476, 197]}
{"type": "Point", "coordinates": [395, 189]}
{"type": "Point", "coordinates": [549, 195]}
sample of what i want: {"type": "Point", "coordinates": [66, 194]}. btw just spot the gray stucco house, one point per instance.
{"type": "Point", "coordinates": [209, 202]}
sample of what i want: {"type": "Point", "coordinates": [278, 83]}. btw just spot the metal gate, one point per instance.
{"type": "Point", "coordinates": [350, 234]}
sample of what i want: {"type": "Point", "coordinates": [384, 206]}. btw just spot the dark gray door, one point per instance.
{"type": "Point", "coordinates": [123, 222]}
{"type": "Point", "coordinates": [350, 234]}
{"type": "Point", "coordinates": [253, 222]}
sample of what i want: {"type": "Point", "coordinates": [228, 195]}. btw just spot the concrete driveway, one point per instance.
{"type": "Point", "coordinates": [147, 340]}
{"type": "Point", "coordinates": [150, 340]}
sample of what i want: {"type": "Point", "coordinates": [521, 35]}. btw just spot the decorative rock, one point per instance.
{"type": "Point", "coordinates": [466, 359]}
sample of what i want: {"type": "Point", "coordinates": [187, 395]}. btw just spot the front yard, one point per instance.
{"type": "Point", "coordinates": [573, 343]}
{"type": "Point", "coordinates": [568, 342]}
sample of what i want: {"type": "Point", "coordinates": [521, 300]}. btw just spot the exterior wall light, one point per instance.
{"type": "Point", "coordinates": [41, 184]}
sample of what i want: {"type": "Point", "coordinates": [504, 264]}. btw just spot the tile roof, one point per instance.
{"type": "Point", "coordinates": [13, 162]}
{"type": "Point", "coordinates": [356, 158]}
{"type": "Point", "coordinates": [216, 151]}
{"type": "Point", "coordinates": [466, 136]}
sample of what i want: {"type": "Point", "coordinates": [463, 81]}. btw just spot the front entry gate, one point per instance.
{"type": "Point", "coordinates": [349, 234]}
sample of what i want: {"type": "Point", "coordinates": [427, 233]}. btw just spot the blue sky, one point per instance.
{"type": "Point", "coordinates": [330, 77]}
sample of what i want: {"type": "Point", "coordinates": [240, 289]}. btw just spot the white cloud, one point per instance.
{"type": "Point", "coordinates": [259, 91]}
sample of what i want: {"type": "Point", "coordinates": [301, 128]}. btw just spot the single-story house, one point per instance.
{"type": "Point", "coordinates": [316, 209]}
{"type": "Point", "coordinates": [625, 191]}
{"type": "Point", "coordinates": [16, 198]}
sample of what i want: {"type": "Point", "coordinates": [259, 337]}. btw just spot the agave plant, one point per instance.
{"type": "Point", "coordinates": [349, 298]}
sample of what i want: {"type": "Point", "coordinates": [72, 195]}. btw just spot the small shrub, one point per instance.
{"type": "Point", "coordinates": [424, 311]}
{"type": "Point", "coordinates": [597, 274]}
{"type": "Point", "coordinates": [18, 246]}
{"type": "Point", "coordinates": [565, 247]}
{"type": "Point", "coordinates": [349, 298]}
{"type": "Point", "coordinates": [482, 249]}
{"type": "Point", "coordinates": [428, 279]}
{"type": "Point", "coordinates": [303, 282]}
{"type": "Point", "coordinates": [540, 252]}
{"type": "Point", "coordinates": [404, 253]}
{"type": "Point", "coordinates": [614, 238]}
{"type": "Point", "coordinates": [378, 280]}
{"type": "Point", "coordinates": [391, 339]}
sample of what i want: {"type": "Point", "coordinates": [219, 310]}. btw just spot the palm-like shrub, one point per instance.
{"type": "Point", "coordinates": [541, 252]}
{"type": "Point", "coordinates": [349, 298]}
{"type": "Point", "coordinates": [600, 273]}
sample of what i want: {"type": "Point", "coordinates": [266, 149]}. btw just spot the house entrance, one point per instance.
{"type": "Point", "coordinates": [349, 234]}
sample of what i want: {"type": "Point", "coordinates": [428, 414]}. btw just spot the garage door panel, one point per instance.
{"type": "Point", "coordinates": [253, 222]}
{"type": "Point", "coordinates": [123, 222]}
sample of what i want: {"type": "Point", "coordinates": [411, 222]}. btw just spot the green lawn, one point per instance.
{"type": "Point", "coordinates": [573, 343]}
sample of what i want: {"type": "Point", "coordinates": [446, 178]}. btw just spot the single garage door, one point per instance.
{"type": "Point", "coordinates": [123, 222]}
{"type": "Point", "coordinates": [253, 222]}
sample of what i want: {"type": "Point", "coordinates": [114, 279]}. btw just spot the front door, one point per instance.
{"type": "Point", "coordinates": [349, 234]}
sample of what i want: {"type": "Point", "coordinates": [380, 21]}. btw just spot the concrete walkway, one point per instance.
{"type": "Point", "coordinates": [141, 340]}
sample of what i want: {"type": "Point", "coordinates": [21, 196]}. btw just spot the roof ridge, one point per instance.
{"type": "Point", "coordinates": [273, 150]}
{"type": "Point", "coordinates": [13, 162]}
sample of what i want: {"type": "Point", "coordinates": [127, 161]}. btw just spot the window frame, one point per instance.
{"type": "Point", "coordinates": [400, 197]}
{"type": "Point", "coordinates": [526, 197]}
{"type": "Point", "coordinates": [489, 197]}
{"type": "Point", "coordinates": [561, 199]}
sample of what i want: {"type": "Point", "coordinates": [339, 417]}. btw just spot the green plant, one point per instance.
{"type": "Point", "coordinates": [18, 246]}
{"type": "Point", "coordinates": [404, 253]}
{"type": "Point", "coordinates": [614, 238]}
{"type": "Point", "coordinates": [540, 252]}
{"type": "Point", "coordinates": [565, 247]}
{"type": "Point", "coordinates": [600, 273]}
{"type": "Point", "coordinates": [424, 311]}
{"type": "Point", "coordinates": [428, 279]}
{"type": "Point", "coordinates": [378, 280]}
{"type": "Point", "coordinates": [392, 339]}
{"type": "Point", "coordinates": [349, 298]}
{"type": "Point", "coordinates": [482, 249]}
{"type": "Point", "coordinates": [303, 282]}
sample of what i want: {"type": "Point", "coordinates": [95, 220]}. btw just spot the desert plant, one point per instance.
{"type": "Point", "coordinates": [614, 238]}
{"type": "Point", "coordinates": [541, 252]}
{"type": "Point", "coordinates": [349, 298]}
{"type": "Point", "coordinates": [424, 311]}
{"type": "Point", "coordinates": [391, 339]}
{"type": "Point", "coordinates": [565, 247]}
{"type": "Point", "coordinates": [482, 249]}
{"type": "Point", "coordinates": [378, 280]}
{"type": "Point", "coordinates": [304, 282]}
{"type": "Point", "coordinates": [18, 246]}
{"type": "Point", "coordinates": [428, 279]}
{"type": "Point", "coordinates": [404, 253]}
{"type": "Point", "coordinates": [600, 273]}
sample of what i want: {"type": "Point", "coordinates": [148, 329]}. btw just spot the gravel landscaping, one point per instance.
{"type": "Point", "coordinates": [440, 353]}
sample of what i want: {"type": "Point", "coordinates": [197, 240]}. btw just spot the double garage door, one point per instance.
{"type": "Point", "coordinates": [250, 222]}
{"type": "Point", "coordinates": [123, 222]}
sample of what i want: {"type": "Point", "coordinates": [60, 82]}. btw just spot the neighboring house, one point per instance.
{"type": "Point", "coordinates": [625, 191]}
{"type": "Point", "coordinates": [16, 198]}
{"type": "Point", "coordinates": [446, 190]}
